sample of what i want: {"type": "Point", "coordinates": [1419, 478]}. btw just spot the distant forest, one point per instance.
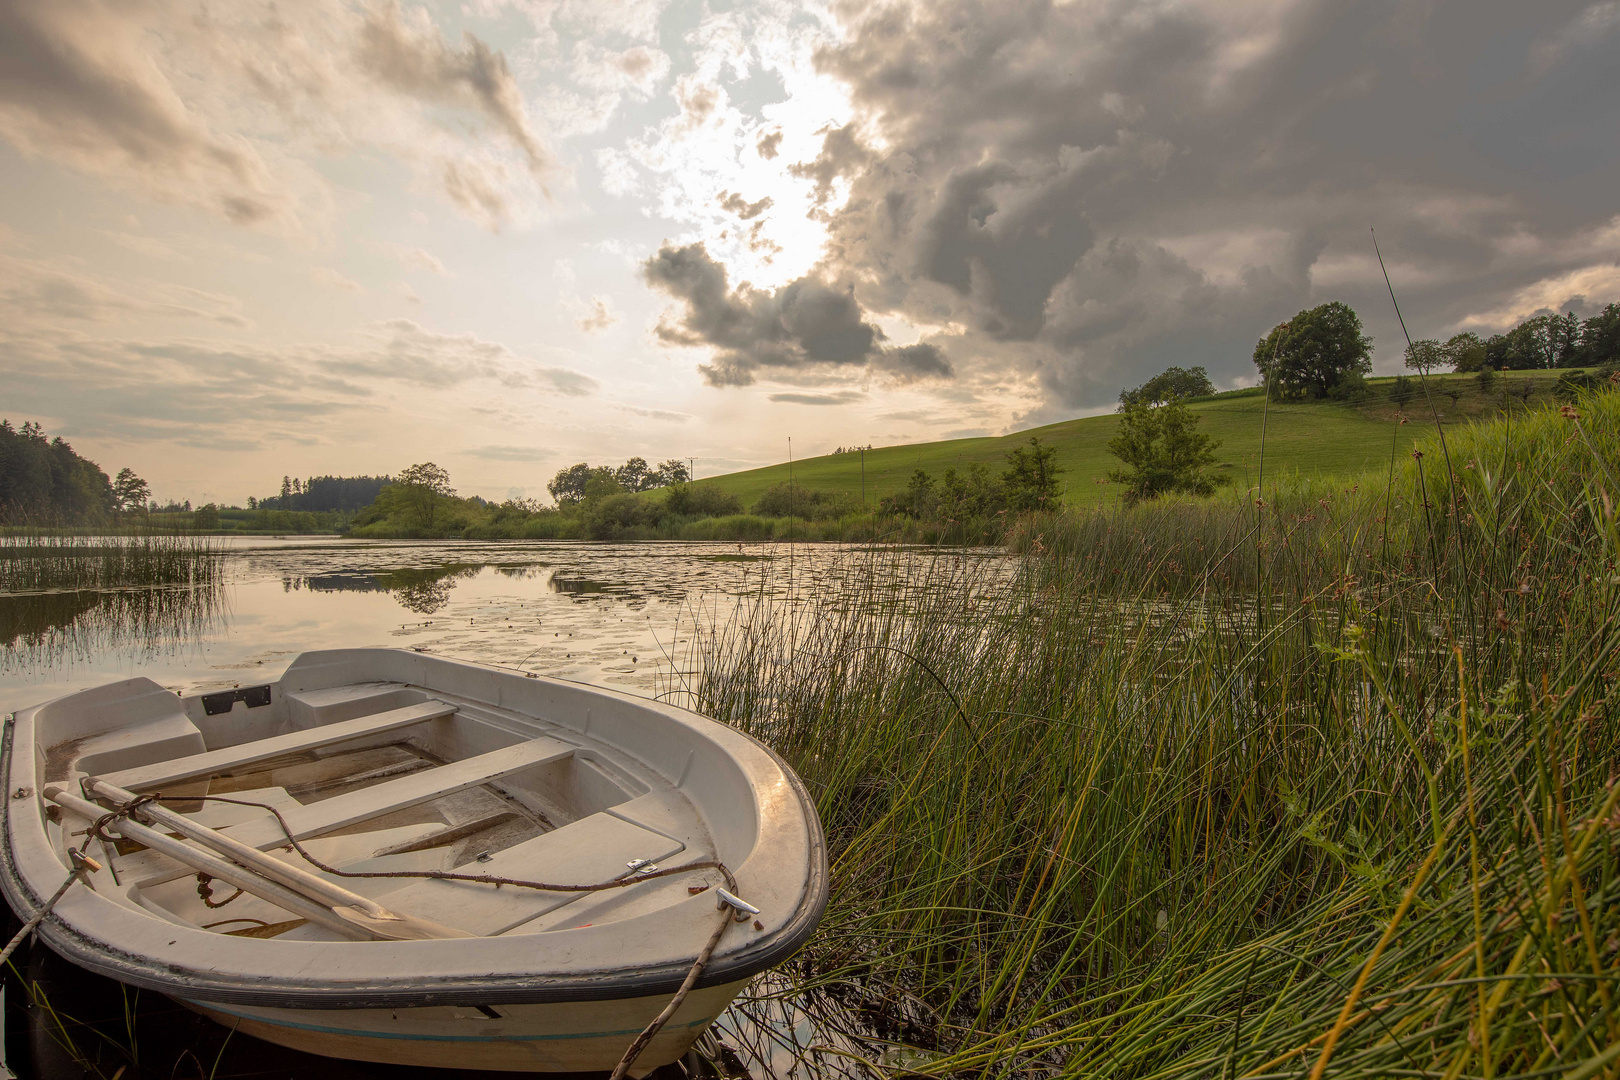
{"type": "Point", "coordinates": [322, 493]}
{"type": "Point", "coordinates": [44, 481]}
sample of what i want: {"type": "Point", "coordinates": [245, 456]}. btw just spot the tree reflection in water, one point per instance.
{"type": "Point", "coordinates": [422, 590]}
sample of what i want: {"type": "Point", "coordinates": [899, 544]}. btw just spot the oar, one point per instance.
{"type": "Point", "coordinates": [357, 911]}
{"type": "Point", "coordinates": [183, 852]}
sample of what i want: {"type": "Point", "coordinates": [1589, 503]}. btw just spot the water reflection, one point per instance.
{"type": "Point", "coordinates": [424, 590]}
{"type": "Point", "coordinates": [573, 586]}
{"type": "Point", "coordinates": [45, 629]}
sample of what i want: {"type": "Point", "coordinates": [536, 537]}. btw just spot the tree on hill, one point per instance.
{"type": "Point", "coordinates": [1031, 476]}
{"type": "Point", "coordinates": [1425, 355]}
{"type": "Point", "coordinates": [1464, 352]}
{"type": "Point", "coordinates": [1171, 384]}
{"type": "Point", "coordinates": [1600, 339]}
{"type": "Point", "coordinates": [1315, 352]}
{"type": "Point", "coordinates": [1163, 452]}
{"type": "Point", "coordinates": [569, 485]}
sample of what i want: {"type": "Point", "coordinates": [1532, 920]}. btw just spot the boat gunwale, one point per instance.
{"type": "Point", "coordinates": [181, 980]}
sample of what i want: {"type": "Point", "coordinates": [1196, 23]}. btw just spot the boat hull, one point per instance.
{"type": "Point", "coordinates": [533, 982]}
{"type": "Point", "coordinates": [577, 1036]}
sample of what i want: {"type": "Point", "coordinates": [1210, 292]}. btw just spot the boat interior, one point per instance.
{"type": "Point", "coordinates": [369, 777]}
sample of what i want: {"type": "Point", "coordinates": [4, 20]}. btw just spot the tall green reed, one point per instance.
{"type": "Point", "coordinates": [1099, 817]}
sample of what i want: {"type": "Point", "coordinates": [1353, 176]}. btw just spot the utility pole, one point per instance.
{"type": "Point", "coordinates": [863, 476]}
{"type": "Point", "coordinates": [691, 469]}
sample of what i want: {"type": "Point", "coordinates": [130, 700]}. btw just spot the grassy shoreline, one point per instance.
{"type": "Point", "coordinates": [1320, 787]}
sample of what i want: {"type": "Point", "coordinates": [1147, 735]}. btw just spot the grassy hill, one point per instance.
{"type": "Point", "coordinates": [1318, 437]}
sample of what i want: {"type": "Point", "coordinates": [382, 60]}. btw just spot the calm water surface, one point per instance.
{"type": "Point", "coordinates": [616, 615]}
{"type": "Point", "coordinates": [620, 615]}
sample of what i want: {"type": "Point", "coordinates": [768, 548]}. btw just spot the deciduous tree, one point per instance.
{"type": "Point", "coordinates": [130, 492]}
{"type": "Point", "coordinates": [1163, 452]}
{"type": "Point", "coordinates": [1171, 384]}
{"type": "Point", "coordinates": [423, 486]}
{"type": "Point", "coordinates": [1425, 355]}
{"type": "Point", "coordinates": [1313, 352]}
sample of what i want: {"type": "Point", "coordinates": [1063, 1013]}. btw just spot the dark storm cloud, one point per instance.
{"type": "Point", "coordinates": [806, 326]}
{"type": "Point", "coordinates": [411, 57]}
{"type": "Point", "coordinates": [1096, 190]}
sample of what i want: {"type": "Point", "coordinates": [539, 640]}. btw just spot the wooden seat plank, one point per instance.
{"type": "Point", "coordinates": [231, 757]}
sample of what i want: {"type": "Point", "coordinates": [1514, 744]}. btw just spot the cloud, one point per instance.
{"type": "Point", "coordinates": [805, 326]}
{"type": "Point", "coordinates": [479, 190]}
{"type": "Point", "coordinates": [656, 414]}
{"type": "Point", "coordinates": [1079, 195]}
{"type": "Point", "coordinates": [249, 396]}
{"type": "Point", "coordinates": [415, 258]}
{"type": "Point", "coordinates": [509, 453]}
{"type": "Point", "coordinates": [842, 154]}
{"type": "Point", "coordinates": [733, 203]}
{"type": "Point", "coordinates": [769, 145]}
{"type": "Point", "coordinates": [78, 85]}
{"type": "Point", "coordinates": [598, 318]}
{"type": "Point", "coordinates": [407, 54]}
{"type": "Point", "coordinates": [406, 352]}
{"type": "Point", "coordinates": [239, 108]}
{"type": "Point", "coordinates": [328, 278]}
{"type": "Point", "coordinates": [34, 293]}
{"type": "Point", "coordinates": [845, 397]}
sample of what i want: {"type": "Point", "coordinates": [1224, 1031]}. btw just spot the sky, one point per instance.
{"type": "Point", "coordinates": [246, 240]}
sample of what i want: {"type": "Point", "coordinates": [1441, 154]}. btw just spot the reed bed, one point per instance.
{"type": "Point", "coordinates": [1319, 787]}
{"type": "Point", "coordinates": [40, 562]}
{"type": "Point", "coordinates": [70, 598]}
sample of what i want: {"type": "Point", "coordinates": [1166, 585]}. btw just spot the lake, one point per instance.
{"type": "Point", "coordinates": [619, 615]}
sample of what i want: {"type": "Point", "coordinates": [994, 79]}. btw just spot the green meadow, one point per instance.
{"type": "Point", "coordinates": [1312, 438]}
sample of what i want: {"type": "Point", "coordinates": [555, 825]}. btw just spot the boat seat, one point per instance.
{"type": "Point", "coordinates": [231, 757]}
{"type": "Point", "coordinates": [340, 811]}
{"type": "Point", "coordinates": [311, 708]}
{"type": "Point", "coordinates": [592, 849]}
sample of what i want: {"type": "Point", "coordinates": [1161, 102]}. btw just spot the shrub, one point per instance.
{"type": "Point", "coordinates": [789, 499]}
{"type": "Point", "coordinates": [701, 500]}
{"type": "Point", "coordinates": [618, 516]}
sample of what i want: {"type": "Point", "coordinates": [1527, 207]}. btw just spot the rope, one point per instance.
{"type": "Point", "coordinates": [662, 1018]}
{"type": "Point", "coordinates": [81, 863]}
{"type": "Point", "coordinates": [636, 1046]}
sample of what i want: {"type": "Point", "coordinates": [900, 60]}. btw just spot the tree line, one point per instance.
{"type": "Point", "coordinates": [44, 481]}
{"type": "Point", "coordinates": [323, 493]}
{"type": "Point", "coordinates": [1542, 342]}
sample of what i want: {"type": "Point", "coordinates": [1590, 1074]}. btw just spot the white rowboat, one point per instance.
{"type": "Point", "coordinates": [430, 771]}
